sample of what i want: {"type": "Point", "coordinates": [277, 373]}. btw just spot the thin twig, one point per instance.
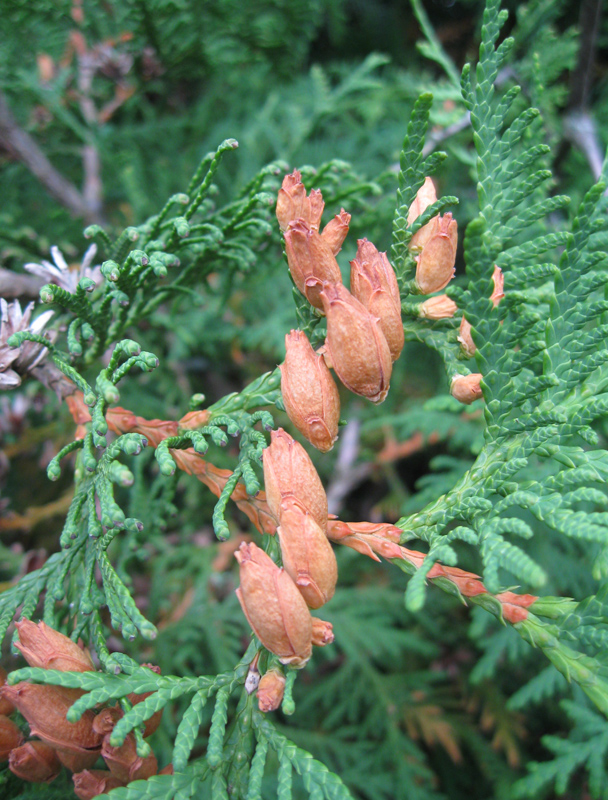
{"type": "Point", "coordinates": [579, 125]}
{"type": "Point", "coordinates": [13, 284]}
{"type": "Point", "coordinates": [439, 135]}
{"type": "Point", "coordinates": [18, 142]}
{"type": "Point", "coordinates": [347, 474]}
{"type": "Point", "coordinates": [581, 130]}
{"type": "Point", "coordinates": [582, 76]}
{"type": "Point", "coordinates": [92, 186]}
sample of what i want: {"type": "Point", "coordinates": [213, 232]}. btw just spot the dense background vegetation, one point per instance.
{"type": "Point", "coordinates": [124, 99]}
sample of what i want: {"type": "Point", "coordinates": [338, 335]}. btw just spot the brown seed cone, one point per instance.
{"type": "Point", "coordinates": [292, 203]}
{"type": "Point", "coordinates": [465, 338]}
{"type": "Point", "coordinates": [308, 557]}
{"type": "Point", "coordinates": [355, 344]}
{"type": "Point", "coordinates": [374, 284]}
{"type": "Point", "coordinates": [271, 690]}
{"type": "Point", "coordinates": [45, 709]}
{"type": "Point", "coordinates": [34, 761]}
{"type": "Point", "coordinates": [10, 736]}
{"type": "Point", "coordinates": [6, 707]}
{"type": "Point", "coordinates": [124, 763]}
{"type": "Point", "coordinates": [322, 632]}
{"type": "Point", "coordinates": [425, 197]}
{"type": "Point", "coordinates": [289, 472]}
{"type": "Point", "coordinates": [499, 286]}
{"type": "Point", "coordinates": [435, 267]}
{"type": "Point", "coordinates": [466, 388]}
{"type": "Point", "coordinates": [91, 782]}
{"type": "Point", "coordinates": [107, 718]}
{"type": "Point", "coordinates": [168, 770]}
{"type": "Point", "coordinates": [464, 335]}
{"type": "Point", "coordinates": [45, 647]}
{"type": "Point", "coordinates": [439, 307]}
{"type": "Point", "coordinates": [309, 392]}
{"type": "Point", "coordinates": [310, 260]}
{"type": "Point", "coordinates": [76, 761]}
{"type": "Point", "coordinates": [274, 607]}
{"type": "Point", "coordinates": [336, 230]}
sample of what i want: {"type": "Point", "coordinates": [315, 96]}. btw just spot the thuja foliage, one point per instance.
{"type": "Point", "coordinates": [532, 471]}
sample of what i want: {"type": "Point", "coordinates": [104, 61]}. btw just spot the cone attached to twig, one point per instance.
{"type": "Point", "coordinates": [355, 344]}
{"type": "Point", "coordinates": [10, 737]}
{"type": "Point", "coordinates": [467, 388]}
{"type": "Point", "coordinates": [309, 392]}
{"type": "Point", "coordinates": [439, 307]}
{"type": "Point", "coordinates": [274, 607]}
{"type": "Point", "coordinates": [45, 708]}
{"type": "Point", "coordinates": [34, 761]}
{"type": "Point", "coordinates": [44, 647]}
{"type": "Point", "coordinates": [124, 763]}
{"type": "Point", "coordinates": [435, 264]}
{"type": "Point", "coordinates": [91, 782]}
{"type": "Point", "coordinates": [308, 556]}
{"type": "Point", "coordinates": [373, 282]}
{"type": "Point", "coordinates": [289, 473]}
{"type": "Point", "coordinates": [294, 203]}
{"type": "Point", "coordinates": [311, 260]}
{"type": "Point", "coordinates": [271, 690]}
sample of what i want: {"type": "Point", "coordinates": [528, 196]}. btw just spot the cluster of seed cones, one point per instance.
{"type": "Point", "coordinates": [364, 328]}
{"type": "Point", "coordinates": [364, 337]}
{"type": "Point", "coordinates": [434, 246]}
{"type": "Point", "coordinates": [59, 743]}
{"type": "Point", "coordinates": [276, 601]}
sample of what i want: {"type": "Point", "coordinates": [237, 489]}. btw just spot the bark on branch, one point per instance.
{"type": "Point", "coordinates": [21, 144]}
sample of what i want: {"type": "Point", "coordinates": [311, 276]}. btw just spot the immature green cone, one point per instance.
{"type": "Point", "coordinates": [435, 264]}
{"type": "Point", "coordinates": [310, 260]}
{"type": "Point", "coordinates": [274, 607]}
{"type": "Point", "coordinates": [44, 647]}
{"type": "Point", "coordinates": [355, 344]}
{"type": "Point", "coordinates": [10, 736]}
{"type": "Point", "coordinates": [308, 557]}
{"type": "Point", "coordinates": [271, 690]}
{"type": "Point", "coordinates": [289, 473]}
{"type": "Point", "coordinates": [309, 392]}
{"type": "Point", "coordinates": [373, 282]}
{"type": "Point", "coordinates": [35, 762]}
